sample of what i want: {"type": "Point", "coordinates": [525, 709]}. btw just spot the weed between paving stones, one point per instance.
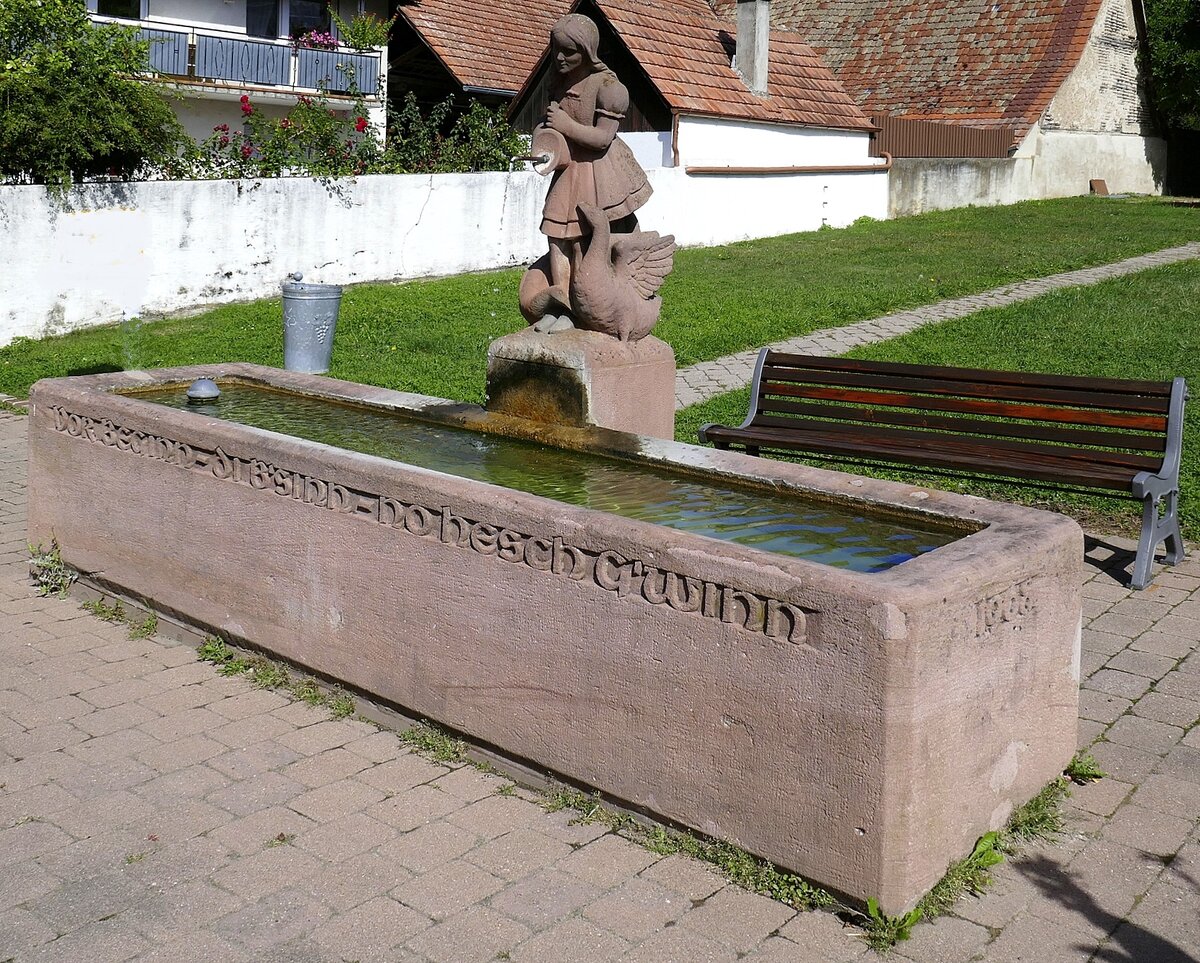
{"type": "Point", "coordinates": [49, 572]}
{"type": "Point", "coordinates": [144, 629]}
{"type": "Point", "coordinates": [265, 674]}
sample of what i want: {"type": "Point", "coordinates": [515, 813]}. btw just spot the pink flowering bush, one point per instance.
{"type": "Point", "coordinates": [315, 40]}
{"type": "Point", "coordinates": [311, 140]}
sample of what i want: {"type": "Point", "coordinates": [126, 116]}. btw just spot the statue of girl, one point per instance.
{"type": "Point", "coordinates": [594, 167]}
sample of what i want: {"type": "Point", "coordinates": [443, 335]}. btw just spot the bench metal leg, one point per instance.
{"type": "Point", "coordinates": [1157, 529]}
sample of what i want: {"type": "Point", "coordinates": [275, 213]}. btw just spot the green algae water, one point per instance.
{"type": "Point", "coordinates": [784, 524]}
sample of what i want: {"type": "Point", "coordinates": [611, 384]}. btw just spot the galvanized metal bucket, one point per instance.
{"type": "Point", "coordinates": [310, 313]}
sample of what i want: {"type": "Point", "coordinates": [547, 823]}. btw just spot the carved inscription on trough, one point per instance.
{"type": "Point", "coordinates": [1011, 606]}
{"type": "Point", "coordinates": [626, 578]}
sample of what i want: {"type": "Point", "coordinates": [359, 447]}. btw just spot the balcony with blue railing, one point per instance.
{"type": "Point", "coordinates": [199, 55]}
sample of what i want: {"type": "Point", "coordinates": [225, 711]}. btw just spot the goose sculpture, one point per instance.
{"type": "Point", "coordinates": [615, 278]}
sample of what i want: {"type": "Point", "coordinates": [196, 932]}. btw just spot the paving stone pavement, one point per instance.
{"type": "Point", "coordinates": [153, 810]}
{"type": "Point", "coordinates": [705, 380]}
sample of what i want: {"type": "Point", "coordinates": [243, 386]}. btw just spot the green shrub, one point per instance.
{"type": "Point", "coordinates": [70, 105]}
{"type": "Point", "coordinates": [1172, 60]}
{"type": "Point", "coordinates": [363, 32]}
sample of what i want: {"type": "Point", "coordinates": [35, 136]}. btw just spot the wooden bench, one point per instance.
{"type": "Point", "coordinates": [1109, 435]}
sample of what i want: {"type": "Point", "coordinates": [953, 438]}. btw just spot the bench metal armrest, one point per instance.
{"type": "Point", "coordinates": [1166, 479]}
{"type": "Point", "coordinates": [754, 387]}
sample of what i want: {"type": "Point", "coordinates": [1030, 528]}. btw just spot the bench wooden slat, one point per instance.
{"type": "Point", "coordinates": [919, 388]}
{"type": "Point", "coordinates": [987, 449]}
{"type": "Point", "coordinates": [998, 409]}
{"type": "Point", "coordinates": [980, 375]}
{"type": "Point", "coordinates": [1058, 470]}
{"type": "Point", "coordinates": [914, 419]}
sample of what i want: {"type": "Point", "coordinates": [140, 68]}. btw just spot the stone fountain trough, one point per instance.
{"type": "Point", "coordinates": [860, 729]}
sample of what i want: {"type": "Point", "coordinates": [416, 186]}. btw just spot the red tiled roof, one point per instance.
{"type": "Point", "coordinates": [486, 43]}
{"type": "Point", "coordinates": [983, 63]}
{"type": "Point", "coordinates": [679, 44]}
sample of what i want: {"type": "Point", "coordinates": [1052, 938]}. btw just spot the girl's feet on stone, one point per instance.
{"type": "Point", "coordinates": [550, 323]}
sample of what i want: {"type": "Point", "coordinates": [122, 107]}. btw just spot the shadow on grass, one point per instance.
{"type": "Point", "coordinates": [1127, 942]}
{"type": "Point", "coordinates": [94, 369]}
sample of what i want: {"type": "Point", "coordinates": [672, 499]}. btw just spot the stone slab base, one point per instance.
{"type": "Point", "coordinates": [582, 378]}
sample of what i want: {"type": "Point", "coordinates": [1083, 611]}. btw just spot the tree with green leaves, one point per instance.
{"type": "Point", "coordinates": [1172, 61]}
{"type": "Point", "coordinates": [71, 103]}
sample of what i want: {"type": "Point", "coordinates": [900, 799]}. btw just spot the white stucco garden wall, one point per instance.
{"type": "Point", "coordinates": [108, 252]}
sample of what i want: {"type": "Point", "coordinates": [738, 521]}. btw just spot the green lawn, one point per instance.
{"type": "Point", "coordinates": [432, 336]}
{"type": "Point", "coordinates": [1141, 326]}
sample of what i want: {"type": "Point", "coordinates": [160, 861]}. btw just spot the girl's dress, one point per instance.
{"type": "Point", "coordinates": [611, 179]}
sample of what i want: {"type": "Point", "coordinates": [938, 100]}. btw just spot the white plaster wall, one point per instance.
{"type": "Point", "coordinates": [718, 209]}
{"type": "Point", "coordinates": [1102, 93]}
{"type": "Point", "coordinates": [227, 14]}
{"type": "Point", "coordinates": [919, 184]}
{"type": "Point", "coordinates": [114, 251]}
{"type": "Point", "coordinates": [711, 142]}
{"type": "Point", "coordinates": [1050, 163]}
{"type": "Point", "coordinates": [199, 116]}
{"type": "Point", "coordinates": [1064, 162]}
{"type": "Point", "coordinates": [651, 148]}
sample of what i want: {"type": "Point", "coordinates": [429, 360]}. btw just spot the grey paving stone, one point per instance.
{"type": "Point", "coordinates": [257, 831]}
{"type": "Point", "coordinates": [518, 854]}
{"type": "Point", "coordinates": [607, 861]}
{"type": "Point", "coordinates": [944, 939]}
{"type": "Point", "coordinates": [679, 945]}
{"type": "Point", "coordinates": [545, 898]}
{"type": "Point", "coordinates": [1101, 706]}
{"type": "Point", "coordinates": [342, 839]}
{"type": "Point", "coordinates": [820, 937]}
{"type": "Point", "coordinates": [1101, 797]}
{"type": "Point", "coordinates": [1116, 683]}
{"type": "Point", "coordinates": [335, 800]}
{"type": "Point", "coordinates": [273, 921]}
{"type": "Point", "coordinates": [1151, 831]}
{"type": "Point", "coordinates": [571, 941]}
{"type": "Point", "coordinates": [1182, 762]}
{"type": "Point", "coordinates": [637, 908]}
{"type": "Point", "coordinates": [266, 871]}
{"type": "Point", "coordinates": [737, 918]}
{"type": "Point", "coordinates": [691, 877]}
{"type": "Point", "coordinates": [448, 890]}
{"type": "Point", "coordinates": [22, 930]}
{"type": "Point", "coordinates": [346, 885]}
{"type": "Point", "coordinates": [371, 930]}
{"type": "Point", "coordinates": [414, 807]}
{"type": "Point", "coordinates": [475, 936]}
{"type": "Point", "coordinates": [1141, 733]}
{"type": "Point", "coordinates": [1164, 928]}
{"type": "Point", "coordinates": [109, 941]}
{"type": "Point", "coordinates": [1123, 762]}
{"type": "Point", "coordinates": [325, 767]}
{"type": "Point", "coordinates": [1169, 709]}
{"type": "Point", "coordinates": [1142, 663]}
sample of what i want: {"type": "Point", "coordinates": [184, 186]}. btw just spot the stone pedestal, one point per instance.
{"type": "Point", "coordinates": [582, 378]}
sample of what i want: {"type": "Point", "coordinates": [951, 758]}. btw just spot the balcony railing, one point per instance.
{"type": "Point", "coordinates": [204, 55]}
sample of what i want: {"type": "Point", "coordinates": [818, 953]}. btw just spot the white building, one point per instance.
{"type": "Point", "coordinates": [211, 52]}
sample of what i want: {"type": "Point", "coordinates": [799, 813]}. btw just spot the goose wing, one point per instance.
{"type": "Point", "coordinates": [643, 259]}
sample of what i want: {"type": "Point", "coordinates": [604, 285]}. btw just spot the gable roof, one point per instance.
{"type": "Point", "coordinates": [685, 50]}
{"type": "Point", "coordinates": [978, 62]}
{"type": "Point", "coordinates": [490, 44]}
